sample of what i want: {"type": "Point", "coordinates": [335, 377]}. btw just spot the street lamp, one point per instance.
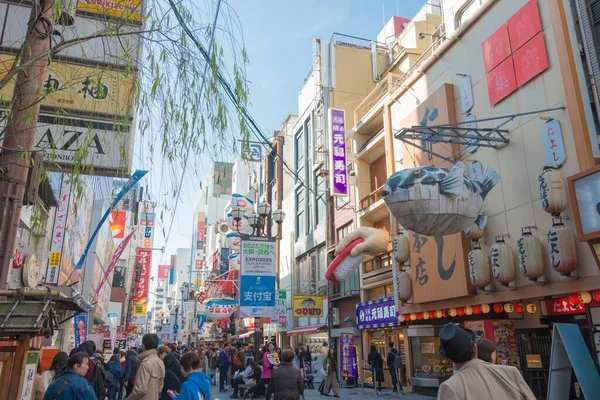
{"type": "Point", "coordinates": [259, 221]}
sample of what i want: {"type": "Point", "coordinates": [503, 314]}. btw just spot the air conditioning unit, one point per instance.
{"type": "Point", "coordinates": [335, 316]}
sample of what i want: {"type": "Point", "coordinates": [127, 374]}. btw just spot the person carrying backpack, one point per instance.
{"type": "Point", "coordinates": [96, 374]}
{"type": "Point", "coordinates": [131, 368]}
{"type": "Point", "coordinates": [114, 373]}
{"type": "Point", "coordinates": [393, 363]}
{"type": "Point", "coordinates": [238, 359]}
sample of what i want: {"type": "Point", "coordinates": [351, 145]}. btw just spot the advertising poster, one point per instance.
{"type": "Point", "coordinates": [117, 221]}
{"type": "Point", "coordinates": [308, 306]}
{"type": "Point", "coordinates": [348, 367]}
{"type": "Point", "coordinates": [80, 321]}
{"type": "Point", "coordinates": [58, 234]}
{"type": "Point", "coordinates": [257, 279]}
{"type": "Point", "coordinates": [506, 340]}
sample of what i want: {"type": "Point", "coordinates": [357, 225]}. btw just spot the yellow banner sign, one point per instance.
{"type": "Point", "coordinates": [75, 87]}
{"type": "Point", "coordinates": [139, 309]}
{"type": "Point", "coordinates": [128, 9]}
{"type": "Point", "coordinates": [308, 306]}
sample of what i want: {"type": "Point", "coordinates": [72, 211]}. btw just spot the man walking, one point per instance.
{"type": "Point", "coordinates": [393, 363]}
{"type": "Point", "coordinates": [224, 363]}
{"type": "Point", "coordinates": [151, 371]}
{"type": "Point", "coordinates": [477, 379]}
{"type": "Point", "coordinates": [286, 381]}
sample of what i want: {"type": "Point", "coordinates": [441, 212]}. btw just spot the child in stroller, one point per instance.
{"type": "Point", "coordinates": [308, 376]}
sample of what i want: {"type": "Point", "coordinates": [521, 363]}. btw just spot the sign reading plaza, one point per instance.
{"type": "Point", "coordinates": [257, 277]}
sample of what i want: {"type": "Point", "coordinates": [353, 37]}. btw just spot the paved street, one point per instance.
{"type": "Point", "coordinates": [346, 394]}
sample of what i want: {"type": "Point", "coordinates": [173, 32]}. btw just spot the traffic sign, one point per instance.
{"type": "Point", "coordinates": [175, 327]}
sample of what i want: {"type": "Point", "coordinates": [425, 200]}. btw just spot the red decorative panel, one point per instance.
{"type": "Point", "coordinates": [496, 48]}
{"type": "Point", "coordinates": [530, 60]}
{"type": "Point", "coordinates": [501, 81]}
{"type": "Point", "coordinates": [524, 25]}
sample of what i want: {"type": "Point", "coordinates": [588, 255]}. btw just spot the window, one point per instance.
{"type": "Point", "coordinates": [309, 275]}
{"type": "Point", "coordinates": [380, 292]}
{"type": "Point", "coordinates": [300, 216]}
{"type": "Point", "coordinates": [341, 201]}
{"type": "Point", "coordinates": [321, 205]}
{"type": "Point", "coordinates": [300, 154]}
{"type": "Point", "coordinates": [344, 230]}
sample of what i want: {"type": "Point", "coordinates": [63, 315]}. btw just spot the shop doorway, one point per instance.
{"type": "Point", "coordinates": [535, 346]}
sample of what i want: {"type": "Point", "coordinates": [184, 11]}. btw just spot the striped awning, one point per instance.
{"type": "Point", "coordinates": [307, 330]}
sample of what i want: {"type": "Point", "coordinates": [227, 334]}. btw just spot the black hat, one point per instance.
{"type": "Point", "coordinates": [455, 341]}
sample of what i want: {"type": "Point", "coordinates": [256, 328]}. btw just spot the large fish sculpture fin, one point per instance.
{"type": "Point", "coordinates": [488, 181]}
{"type": "Point", "coordinates": [481, 221]}
{"type": "Point", "coordinates": [453, 182]}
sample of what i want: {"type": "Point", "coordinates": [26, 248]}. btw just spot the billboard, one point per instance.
{"type": "Point", "coordinates": [79, 88]}
{"type": "Point", "coordinates": [257, 279]}
{"type": "Point", "coordinates": [308, 306]}
{"type": "Point", "coordinates": [128, 9]}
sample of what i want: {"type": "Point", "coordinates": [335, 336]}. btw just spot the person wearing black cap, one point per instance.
{"type": "Point", "coordinates": [477, 379]}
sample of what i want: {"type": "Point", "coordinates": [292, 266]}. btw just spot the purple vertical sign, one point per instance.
{"type": "Point", "coordinates": [348, 369]}
{"type": "Point", "coordinates": [337, 151]}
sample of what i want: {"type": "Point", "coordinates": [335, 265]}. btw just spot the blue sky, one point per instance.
{"type": "Point", "coordinates": [278, 37]}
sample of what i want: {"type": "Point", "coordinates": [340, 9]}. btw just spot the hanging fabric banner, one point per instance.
{"type": "Point", "coordinates": [120, 248]}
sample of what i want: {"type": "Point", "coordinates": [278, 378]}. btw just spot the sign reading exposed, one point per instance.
{"type": "Point", "coordinates": [308, 306]}
{"type": "Point", "coordinates": [337, 153]}
{"type": "Point", "coordinates": [257, 279]}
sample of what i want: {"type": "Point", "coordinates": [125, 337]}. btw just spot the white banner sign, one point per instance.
{"type": "Point", "coordinates": [58, 233]}
{"type": "Point", "coordinates": [257, 278]}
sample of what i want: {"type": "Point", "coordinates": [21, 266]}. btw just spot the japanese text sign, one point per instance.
{"type": "Point", "coordinates": [142, 261]}
{"type": "Point", "coordinates": [553, 143]}
{"type": "Point", "coordinates": [496, 48]}
{"type": "Point", "coordinates": [563, 307]}
{"type": "Point", "coordinates": [81, 325]}
{"type": "Point", "coordinates": [28, 375]}
{"type": "Point", "coordinates": [348, 368]}
{"type": "Point", "coordinates": [530, 60]}
{"type": "Point", "coordinates": [524, 25]}
{"type": "Point", "coordinates": [466, 94]}
{"type": "Point", "coordinates": [337, 153]}
{"type": "Point", "coordinates": [128, 9]}
{"type": "Point", "coordinates": [163, 272]}
{"type": "Point", "coordinates": [375, 313]}
{"type": "Point", "coordinates": [501, 81]}
{"type": "Point", "coordinates": [58, 233]}
{"type": "Point", "coordinates": [308, 306]}
{"type": "Point", "coordinates": [257, 277]}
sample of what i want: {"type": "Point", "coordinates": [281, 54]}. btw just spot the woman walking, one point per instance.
{"type": "Point", "coordinates": [213, 364]}
{"type": "Point", "coordinates": [114, 366]}
{"type": "Point", "coordinates": [330, 368]}
{"type": "Point", "coordinates": [376, 363]}
{"type": "Point", "coordinates": [173, 376]}
{"type": "Point", "coordinates": [71, 385]}
{"type": "Point", "coordinates": [57, 368]}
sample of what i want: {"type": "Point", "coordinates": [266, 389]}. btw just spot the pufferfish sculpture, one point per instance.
{"type": "Point", "coordinates": [436, 201]}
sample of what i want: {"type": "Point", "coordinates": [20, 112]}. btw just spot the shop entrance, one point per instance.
{"type": "Point", "coordinates": [535, 346]}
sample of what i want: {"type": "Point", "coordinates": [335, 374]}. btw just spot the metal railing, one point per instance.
{"type": "Point", "coordinates": [371, 198]}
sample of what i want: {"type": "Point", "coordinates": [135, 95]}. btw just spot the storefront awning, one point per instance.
{"type": "Point", "coordinates": [307, 330]}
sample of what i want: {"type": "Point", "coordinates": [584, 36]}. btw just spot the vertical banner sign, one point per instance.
{"type": "Point", "coordinates": [81, 322]}
{"type": "Point", "coordinates": [28, 375]}
{"type": "Point", "coordinates": [257, 279]}
{"type": "Point", "coordinates": [58, 233]}
{"type": "Point", "coordinates": [116, 222]}
{"type": "Point", "coordinates": [200, 240]}
{"type": "Point", "coordinates": [135, 178]}
{"type": "Point", "coordinates": [348, 369]}
{"type": "Point", "coordinates": [112, 328]}
{"type": "Point", "coordinates": [163, 272]}
{"type": "Point", "coordinates": [337, 152]}
{"type": "Point", "coordinates": [118, 251]}
{"type": "Point", "coordinates": [141, 287]}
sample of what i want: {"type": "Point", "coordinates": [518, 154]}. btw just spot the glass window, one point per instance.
{"type": "Point", "coordinates": [300, 216]}
{"type": "Point", "coordinates": [341, 201]}
{"type": "Point", "coordinates": [321, 205]}
{"type": "Point", "coordinates": [300, 154]}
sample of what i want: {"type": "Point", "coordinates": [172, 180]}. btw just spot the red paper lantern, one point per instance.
{"type": "Point", "coordinates": [460, 311]}
{"type": "Point", "coordinates": [519, 307]}
{"type": "Point", "coordinates": [596, 295]}
{"type": "Point", "coordinates": [574, 299]}
{"type": "Point", "coordinates": [476, 310]}
{"type": "Point", "coordinates": [498, 308]}
{"type": "Point", "coordinates": [432, 314]}
{"type": "Point", "coordinates": [420, 316]}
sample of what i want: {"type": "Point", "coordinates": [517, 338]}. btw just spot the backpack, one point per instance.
{"type": "Point", "coordinates": [237, 359]}
{"type": "Point", "coordinates": [99, 379]}
{"type": "Point", "coordinates": [109, 376]}
{"type": "Point", "coordinates": [396, 361]}
{"type": "Point", "coordinates": [137, 365]}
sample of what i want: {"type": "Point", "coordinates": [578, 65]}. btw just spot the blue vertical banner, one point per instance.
{"type": "Point", "coordinates": [81, 326]}
{"type": "Point", "coordinates": [257, 277]}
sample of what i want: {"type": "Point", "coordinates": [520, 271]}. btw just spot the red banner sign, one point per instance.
{"type": "Point", "coordinates": [116, 222]}
{"type": "Point", "coordinates": [563, 307]}
{"type": "Point", "coordinates": [163, 272]}
{"type": "Point", "coordinates": [142, 261]}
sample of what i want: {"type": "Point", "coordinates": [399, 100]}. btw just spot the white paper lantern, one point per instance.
{"type": "Point", "coordinates": [530, 256]}
{"type": "Point", "coordinates": [235, 261]}
{"type": "Point", "coordinates": [562, 249]}
{"type": "Point", "coordinates": [238, 200]}
{"type": "Point", "coordinates": [404, 284]}
{"type": "Point", "coordinates": [403, 249]}
{"type": "Point", "coordinates": [234, 241]}
{"type": "Point", "coordinates": [480, 270]}
{"type": "Point", "coordinates": [553, 192]}
{"type": "Point", "coordinates": [503, 262]}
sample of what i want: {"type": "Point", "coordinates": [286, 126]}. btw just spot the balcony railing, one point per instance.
{"type": "Point", "coordinates": [371, 198]}
{"type": "Point", "coordinates": [384, 260]}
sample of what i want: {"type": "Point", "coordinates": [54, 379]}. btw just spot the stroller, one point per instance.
{"type": "Point", "coordinates": [308, 376]}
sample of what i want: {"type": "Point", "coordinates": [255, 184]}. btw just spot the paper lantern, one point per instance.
{"type": "Point", "coordinates": [519, 307]}
{"type": "Point", "coordinates": [436, 201]}
{"type": "Point", "coordinates": [509, 307]}
{"type": "Point", "coordinates": [401, 318]}
{"type": "Point", "coordinates": [235, 261]}
{"type": "Point", "coordinates": [530, 256]}
{"type": "Point", "coordinates": [503, 262]}
{"type": "Point", "coordinates": [553, 192]}
{"type": "Point", "coordinates": [468, 310]}
{"type": "Point", "coordinates": [425, 315]}
{"type": "Point", "coordinates": [485, 308]}
{"type": "Point", "coordinates": [241, 201]}
{"type": "Point", "coordinates": [439, 314]}
{"type": "Point", "coordinates": [585, 297]}
{"type": "Point", "coordinates": [476, 310]}
{"type": "Point", "coordinates": [574, 299]}
{"type": "Point", "coordinates": [432, 315]}
{"type": "Point", "coordinates": [413, 317]}
{"type": "Point", "coordinates": [404, 286]}
{"type": "Point", "coordinates": [480, 270]}
{"type": "Point", "coordinates": [531, 308]}
{"type": "Point", "coordinates": [234, 241]}
{"type": "Point", "coordinates": [419, 316]}
{"type": "Point", "coordinates": [403, 248]}
{"type": "Point", "coordinates": [562, 249]}
{"type": "Point", "coordinates": [219, 309]}
{"type": "Point", "coordinates": [476, 230]}
{"type": "Point", "coordinates": [498, 308]}
{"type": "Point", "coordinates": [452, 312]}
{"type": "Point", "coordinates": [460, 311]}
{"type": "Point", "coordinates": [596, 295]}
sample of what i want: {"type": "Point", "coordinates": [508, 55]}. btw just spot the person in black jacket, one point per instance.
{"type": "Point", "coordinates": [173, 376]}
{"type": "Point", "coordinates": [376, 364]}
{"type": "Point", "coordinates": [259, 388]}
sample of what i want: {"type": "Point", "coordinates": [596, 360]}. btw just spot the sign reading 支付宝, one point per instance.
{"type": "Point", "coordinates": [257, 277]}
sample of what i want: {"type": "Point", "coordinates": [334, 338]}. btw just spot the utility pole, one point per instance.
{"type": "Point", "coordinates": [20, 129]}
